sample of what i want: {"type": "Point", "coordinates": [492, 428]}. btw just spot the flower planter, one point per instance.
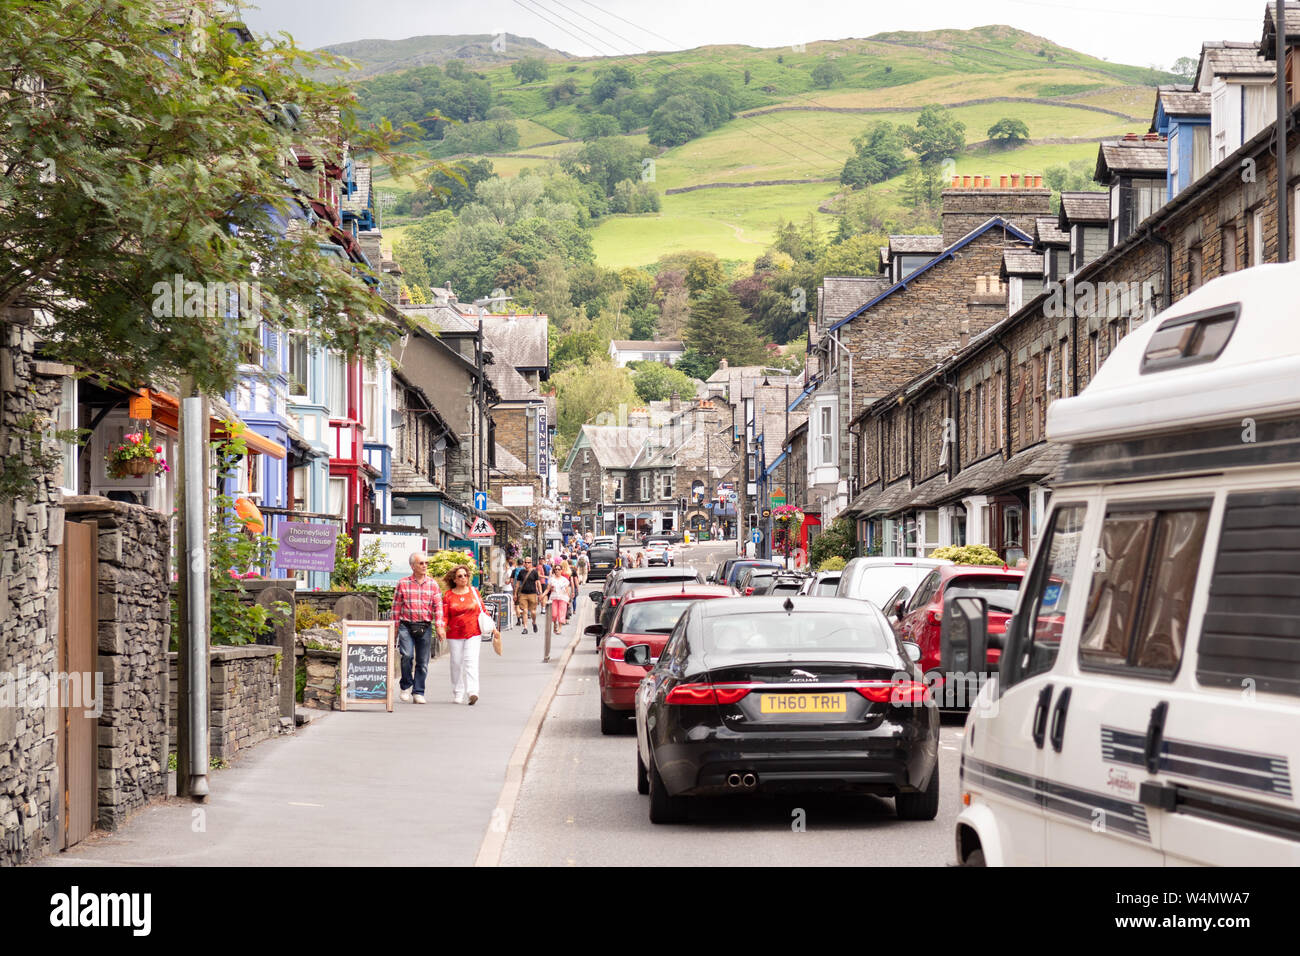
{"type": "Point", "coordinates": [137, 466]}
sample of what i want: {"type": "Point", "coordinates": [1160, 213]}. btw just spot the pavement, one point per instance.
{"type": "Point", "coordinates": [422, 786]}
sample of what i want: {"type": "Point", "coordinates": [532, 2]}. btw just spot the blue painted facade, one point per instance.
{"type": "Point", "coordinates": [1180, 131]}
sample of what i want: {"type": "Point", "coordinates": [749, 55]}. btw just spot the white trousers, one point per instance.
{"type": "Point", "coordinates": [464, 667]}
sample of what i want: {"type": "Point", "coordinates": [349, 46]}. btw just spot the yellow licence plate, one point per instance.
{"type": "Point", "coordinates": [803, 704]}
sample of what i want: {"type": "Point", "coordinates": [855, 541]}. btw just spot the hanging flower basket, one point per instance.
{"type": "Point", "coordinates": [136, 456]}
{"type": "Point", "coordinates": [788, 514]}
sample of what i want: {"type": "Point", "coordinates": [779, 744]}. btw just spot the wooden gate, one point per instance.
{"type": "Point", "coordinates": [79, 698]}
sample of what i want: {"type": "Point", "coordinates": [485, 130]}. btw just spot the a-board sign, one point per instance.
{"type": "Point", "coordinates": [367, 663]}
{"type": "Point", "coordinates": [499, 604]}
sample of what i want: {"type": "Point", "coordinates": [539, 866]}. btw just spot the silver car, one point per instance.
{"type": "Point", "coordinates": [878, 579]}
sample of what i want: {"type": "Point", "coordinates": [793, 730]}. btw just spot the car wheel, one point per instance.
{"type": "Point", "coordinates": [975, 858]}
{"type": "Point", "coordinates": [664, 807]}
{"type": "Point", "coordinates": [611, 720]}
{"type": "Point", "coordinates": [920, 806]}
{"type": "Point", "coordinates": [642, 777]}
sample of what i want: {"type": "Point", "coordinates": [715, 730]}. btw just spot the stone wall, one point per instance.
{"type": "Point", "coordinates": [966, 208]}
{"type": "Point", "coordinates": [134, 631]}
{"type": "Point", "coordinates": [243, 697]}
{"type": "Point", "coordinates": [31, 529]}
{"type": "Point", "coordinates": [358, 606]}
{"type": "Point", "coordinates": [322, 689]}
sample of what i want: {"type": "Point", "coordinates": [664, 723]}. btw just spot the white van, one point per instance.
{"type": "Point", "coordinates": [1147, 710]}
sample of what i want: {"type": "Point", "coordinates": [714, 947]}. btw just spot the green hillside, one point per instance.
{"type": "Point", "coordinates": [785, 127]}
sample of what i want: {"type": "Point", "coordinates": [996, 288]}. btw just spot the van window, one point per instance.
{"type": "Point", "coordinates": [1144, 571]}
{"type": "Point", "coordinates": [1035, 635]}
{"type": "Point", "coordinates": [1250, 637]}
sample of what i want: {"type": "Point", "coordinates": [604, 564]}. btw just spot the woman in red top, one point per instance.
{"type": "Point", "coordinates": [461, 607]}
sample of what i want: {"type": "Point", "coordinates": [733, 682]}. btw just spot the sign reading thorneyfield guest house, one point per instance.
{"type": "Point", "coordinates": [305, 546]}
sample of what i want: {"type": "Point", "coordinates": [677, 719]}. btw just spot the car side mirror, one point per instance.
{"type": "Point", "coordinates": [912, 650]}
{"type": "Point", "coordinates": [897, 601]}
{"type": "Point", "coordinates": [596, 597]}
{"type": "Point", "coordinates": [638, 654]}
{"type": "Point", "coordinates": [593, 630]}
{"type": "Point", "coordinates": [963, 635]}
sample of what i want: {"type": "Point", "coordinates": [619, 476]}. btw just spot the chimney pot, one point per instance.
{"type": "Point", "coordinates": [965, 181]}
{"type": "Point", "coordinates": [956, 181]}
{"type": "Point", "coordinates": [1038, 182]}
{"type": "Point", "coordinates": [988, 181]}
{"type": "Point", "coordinates": [1002, 182]}
{"type": "Point", "coordinates": [1015, 180]}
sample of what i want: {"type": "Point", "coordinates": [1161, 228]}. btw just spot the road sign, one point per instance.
{"type": "Point", "coordinates": [481, 528]}
{"type": "Point", "coordinates": [756, 536]}
{"type": "Point", "coordinates": [480, 500]}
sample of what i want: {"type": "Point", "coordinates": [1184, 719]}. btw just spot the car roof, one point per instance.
{"type": "Point", "coordinates": [987, 570]}
{"type": "Point", "coordinates": [660, 592]}
{"type": "Point", "coordinates": [897, 562]}
{"type": "Point", "coordinates": [760, 604]}
{"type": "Point", "coordinates": [636, 574]}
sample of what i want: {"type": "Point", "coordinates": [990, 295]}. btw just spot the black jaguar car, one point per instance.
{"type": "Point", "coordinates": [601, 562]}
{"type": "Point", "coordinates": [784, 693]}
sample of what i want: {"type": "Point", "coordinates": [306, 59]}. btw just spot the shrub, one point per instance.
{"type": "Point", "coordinates": [307, 617]}
{"type": "Point", "coordinates": [834, 563]}
{"type": "Point", "coordinates": [835, 541]}
{"type": "Point", "coordinates": [440, 562]}
{"type": "Point", "coordinates": [968, 554]}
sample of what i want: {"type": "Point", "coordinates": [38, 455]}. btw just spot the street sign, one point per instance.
{"type": "Point", "coordinates": [481, 528]}
{"type": "Point", "coordinates": [756, 536]}
{"type": "Point", "coordinates": [480, 500]}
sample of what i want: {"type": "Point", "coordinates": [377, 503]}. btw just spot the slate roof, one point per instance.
{"type": "Point", "coordinates": [741, 380]}
{"type": "Point", "coordinates": [510, 385]}
{"type": "Point", "coordinates": [1180, 99]}
{"type": "Point", "coordinates": [615, 446]}
{"type": "Point", "coordinates": [841, 295]}
{"type": "Point", "coordinates": [913, 245]}
{"type": "Point", "coordinates": [1231, 58]}
{"type": "Point", "coordinates": [1047, 232]}
{"type": "Point", "coordinates": [408, 481]}
{"type": "Point", "coordinates": [865, 497]}
{"type": "Point", "coordinates": [517, 340]}
{"type": "Point", "coordinates": [508, 463]}
{"type": "Point", "coordinates": [1084, 207]}
{"type": "Point", "coordinates": [1139, 155]}
{"type": "Point", "coordinates": [891, 499]}
{"type": "Point", "coordinates": [440, 318]}
{"type": "Point", "coordinates": [1022, 262]}
{"type": "Point", "coordinates": [1270, 27]}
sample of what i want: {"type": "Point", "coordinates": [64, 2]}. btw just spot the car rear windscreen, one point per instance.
{"type": "Point", "coordinates": [878, 583]}
{"type": "Point", "coordinates": [650, 617]}
{"type": "Point", "coordinates": [827, 587]}
{"type": "Point", "coordinates": [808, 632]}
{"type": "Point", "coordinates": [998, 593]}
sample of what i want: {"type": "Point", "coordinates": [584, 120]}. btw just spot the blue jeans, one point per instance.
{"type": "Point", "coordinates": [414, 641]}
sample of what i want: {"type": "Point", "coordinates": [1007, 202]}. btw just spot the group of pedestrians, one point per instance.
{"type": "Point", "coordinates": [554, 581]}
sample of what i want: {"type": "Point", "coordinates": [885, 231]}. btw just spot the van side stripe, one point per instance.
{"type": "Point", "coordinates": [1244, 769]}
{"type": "Point", "coordinates": [1083, 805]}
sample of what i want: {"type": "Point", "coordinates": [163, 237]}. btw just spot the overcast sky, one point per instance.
{"type": "Point", "coordinates": [1139, 32]}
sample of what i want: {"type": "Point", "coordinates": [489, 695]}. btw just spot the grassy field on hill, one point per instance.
{"type": "Point", "coordinates": [811, 143]}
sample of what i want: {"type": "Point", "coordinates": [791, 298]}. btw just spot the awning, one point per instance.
{"type": "Point", "coordinates": [812, 387]}
{"type": "Point", "coordinates": [166, 411]}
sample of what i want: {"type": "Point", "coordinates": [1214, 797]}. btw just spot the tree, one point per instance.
{"type": "Point", "coordinates": [835, 541]}
{"type": "Point", "coordinates": [134, 161]}
{"type": "Point", "coordinates": [606, 163]}
{"type": "Point", "coordinates": [717, 327]}
{"type": "Point", "coordinates": [562, 92]}
{"type": "Point", "coordinates": [609, 82]}
{"type": "Point", "coordinates": [679, 120]}
{"type": "Point", "coordinates": [453, 186]}
{"type": "Point", "coordinates": [598, 126]}
{"type": "Point", "coordinates": [877, 156]}
{"type": "Point", "coordinates": [703, 272]}
{"type": "Point", "coordinates": [1185, 67]}
{"type": "Point", "coordinates": [656, 383]}
{"type": "Point", "coordinates": [937, 135]}
{"type": "Point", "coordinates": [529, 70]}
{"type": "Point", "coordinates": [826, 74]}
{"type": "Point", "coordinates": [586, 390]}
{"type": "Point", "coordinates": [576, 348]}
{"type": "Point", "coordinates": [1009, 132]}
{"type": "Point", "coordinates": [696, 364]}
{"type": "Point", "coordinates": [674, 313]}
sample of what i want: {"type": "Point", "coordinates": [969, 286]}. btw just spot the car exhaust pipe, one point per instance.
{"type": "Point", "coordinates": [733, 781]}
{"type": "Point", "coordinates": [749, 781]}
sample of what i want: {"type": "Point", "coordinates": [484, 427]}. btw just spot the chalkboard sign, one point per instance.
{"type": "Point", "coordinates": [367, 663]}
{"type": "Point", "coordinates": [500, 605]}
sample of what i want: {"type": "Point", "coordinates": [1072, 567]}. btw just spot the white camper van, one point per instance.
{"type": "Point", "coordinates": [1147, 709]}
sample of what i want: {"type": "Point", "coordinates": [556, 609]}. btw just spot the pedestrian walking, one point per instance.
{"type": "Point", "coordinates": [418, 610]}
{"type": "Point", "coordinates": [584, 566]}
{"type": "Point", "coordinates": [530, 592]}
{"type": "Point", "coordinates": [464, 637]}
{"type": "Point", "coordinates": [558, 593]}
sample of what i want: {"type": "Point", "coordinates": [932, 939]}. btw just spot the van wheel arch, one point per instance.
{"type": "Point", "coordinates": [970, 852]}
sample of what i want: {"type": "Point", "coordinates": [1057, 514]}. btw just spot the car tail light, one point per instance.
{"type": "Point", "coordinates": [749, 592]}
{"type": "Point", "coordinates": [894, 692]}
{"type": "Point", "coordinates": [933, 617]}
{"type": "Point", "coordinates": [704, 694]}
{"type": "Point", "coordinates": [613, 602]}
{"type": "Point", "coordinates": [614, 648]}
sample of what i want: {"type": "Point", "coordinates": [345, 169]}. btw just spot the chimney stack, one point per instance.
{"type": "Point", "coordinates": [963, 337]}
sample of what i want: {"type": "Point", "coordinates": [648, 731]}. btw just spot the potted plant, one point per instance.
{"type": "Point", "coordinates": [136, 455]}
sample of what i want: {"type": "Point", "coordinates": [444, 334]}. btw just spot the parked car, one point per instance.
{"type": "Point", "coordinates": [661, 552]}
{"type": "Point", "coordinates": [646, 615]}
{"type": "Point", "coordinates": [821, 584]}
{"type": "Point", "coordinates": [783, 582]}
{"type": "Point", "coordinates": [747, 694]}
{"type": "Point", "coordinates": [624, 579]}
{"type": "Point", "coordinates": [919, 618]}
{"type": "Point", "coordinates": [754, 579]}
{"type": "Point", "coordinates": [740, 564]}
{"type": "Point", "coordinates": [1148, 693]}
{"type": "Point", "coordinates": [601, 561]}
{"type": "Point", "coordinates": [878, 579]}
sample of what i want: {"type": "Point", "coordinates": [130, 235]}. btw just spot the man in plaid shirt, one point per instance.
{"type": "Point", "coordinates": [417, 605]}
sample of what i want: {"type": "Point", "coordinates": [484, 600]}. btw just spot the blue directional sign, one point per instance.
{"type": "Point", "coordinates": [756, 536]}
{"type": "Point", "coordinates": [480, 500]}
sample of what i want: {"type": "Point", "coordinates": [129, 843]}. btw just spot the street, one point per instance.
{"type": "Point", "coordinates": [578, 805]}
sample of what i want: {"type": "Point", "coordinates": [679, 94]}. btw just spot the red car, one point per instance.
{"type": "Point", "coordinates": [922, 613]}
{"type": "Point", "coordinates": [646, 615]}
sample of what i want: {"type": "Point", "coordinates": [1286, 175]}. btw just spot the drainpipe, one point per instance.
{"type": "Point", "coordinates": [835, 337]}
{"type": "Point", "coordinates": [1168, 266]}
{"type": "Point", "coordinates": [954, 410]}
{"type": "Point", "coordinates": [1283, 121]}
{"type": "Point", "coordinates": [1006, 402]}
